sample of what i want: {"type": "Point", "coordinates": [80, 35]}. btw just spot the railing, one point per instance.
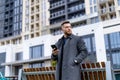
{"type": "Point", "coordinates": [97, 71]}
{"type": "Point", "coordinates": [44, 73]}
{"type": "Point", "coordinates": [12, 78]}
{"type": "Point", "coordinates": [89, 71]}
{"type": "Point", "coordinates": [102, 1]}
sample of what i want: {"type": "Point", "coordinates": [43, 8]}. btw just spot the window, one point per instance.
{"type": "Point", "coordinates": [87, 41]}
{"type": "Point", "coordinates": [119, 2]}
{"type": "Point", "coordinates": [21, 2]}
{"type": "Point", "coordinates": [91, 10]}
{"type": "Point", "coordinates": [36, 65]}
{"type": "Point", "coordinates": [112, 43]}
{"type": "Point", "coordinates": [90, 43]}
{"type": "Point", "coordinates": [36, 51]}
{"type": "Point", "coordinates": [95, 9]}
{"type": "Point", "coordinates": [116, 60]}
{"type": "Point", "coordinates": [26, 37]}
{"type": "Point", "coordinates": [17, 68]}
{"type": "Point", "coordinates": [20, 27]}
{"type": "Point", "coordinates": [90, 2]}
{"type": "Point", "coordinates": [93, 43]}
{"type": "Point", "coordinates": [20, 17]}
{"type": "Point", "coordinates": [95, 1]}
{"type": "Point", "coordinates": [21, 9]}
{"type": "Point", "coordinates": [106, 42]}
{"type": "Point", "coordinates": [19, 56]}
{"type": "Point", "coordinates": [115, 40]}
{"type": "Point", "coordinates": [94, 20]}
{"type": "Point", "coordinates": [2, 60]}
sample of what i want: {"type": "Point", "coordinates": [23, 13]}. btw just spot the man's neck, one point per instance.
{"type": "Point", "coordinates": [66, 35]}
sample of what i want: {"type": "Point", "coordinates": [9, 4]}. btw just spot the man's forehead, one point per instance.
{"type": "Point", "coordinates": [67, 24]}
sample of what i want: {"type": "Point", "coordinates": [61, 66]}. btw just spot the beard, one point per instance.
{"type": "Point", "coordinates": [68, 33]}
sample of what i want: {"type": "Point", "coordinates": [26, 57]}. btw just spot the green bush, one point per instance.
{"type": "Point", "coordinates": [53, 63]}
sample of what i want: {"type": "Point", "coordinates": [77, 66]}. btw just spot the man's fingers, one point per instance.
{"type": "Point", "coordinates": [55, 51]}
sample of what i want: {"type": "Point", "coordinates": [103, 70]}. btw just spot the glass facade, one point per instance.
{"type": "Point", "coordinates": [119, 2]}
{"type": "Point", "coordinates": [94, 20]}
{"type": "Point", "coordinates": [36, 52]}
{"type": "Point", "coordinates": [19, 56]}
{"type": "Point", "coordinates": [17, 28]}
{"type": "Point", "coordinates": [112, 44]}
{"type": "Point", "coordinates": [2, 60]}
{"type": "Point", "coordinates": [10, 18]}
{"type": "Point", "coordinates": [93, 6]}
{"type": "Point", "coordinates": [61, 10]}
{"type": "Point", "coordinates": [36, 65]}
{"type": "Point", "coordinates": [90, 44]}
{"type": "Point", "coordinates": [90, 2]}
{"type": "Point", "coordinates": [2, 8]}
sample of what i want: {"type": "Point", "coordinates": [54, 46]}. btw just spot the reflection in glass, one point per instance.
{"type": "Point", "coordinates": [116, 60]}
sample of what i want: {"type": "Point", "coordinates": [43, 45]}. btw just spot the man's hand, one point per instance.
{"type": "Point", "coordinates": [55, 51]}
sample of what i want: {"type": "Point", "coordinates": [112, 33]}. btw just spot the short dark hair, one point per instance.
{"type": "Point", "coordinates": [64, 22]}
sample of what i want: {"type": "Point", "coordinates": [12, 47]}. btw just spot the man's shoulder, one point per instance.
{"type": "Point", "coordinates": [77, 37]}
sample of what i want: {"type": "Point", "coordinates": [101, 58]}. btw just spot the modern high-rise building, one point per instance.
{"type": "Point", "coordinates": [1, 17]}
{"type": "Point", "coordinates": [11, 21]}
{"type": "Point", "coordinates": [29, 28]}
{"type": "Point", "coordinates": [61, 10]}
{"type": "Point", "coordinates": [22, 20]}
{"type": "Point", "coordinates": [36, 18]}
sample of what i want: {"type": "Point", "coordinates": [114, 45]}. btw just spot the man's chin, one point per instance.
{"type": "Point", "coordinates": [69, 34]}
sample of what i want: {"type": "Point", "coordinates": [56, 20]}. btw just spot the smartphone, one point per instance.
{"type": "Point", "coordinates": [54, 47]}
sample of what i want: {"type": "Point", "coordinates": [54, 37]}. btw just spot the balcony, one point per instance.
{"type": "Point", "coordinates": [37, 19]}
{"type": "Point", "coordinates": [37, 10]}
{"type": "Point", "coordinates": [37, 1]}
{"type": "Point", "coordinates": [6, 23]}
{"type": "Point", "coordinates": [73, 1]}
{"type": "Point", "coordinates": [7, 8]}
{"type": "Point", "coordinates": [103, 11]}
{"type": "Point", "coordinates": [7, 1]}
{"type": "Point", "coordinates": [57, 5]}
{"type": "Point", "coordinates": [32, 12]}
{"type": "Point", "coordinates": [76, 8]}
{"type": "Point", "coordinates": [37, 29]}
{"type": "Point", "coordinates": [112, 8]}
{"type": "Point", "coordinates": [104, 1]}
{"type": "Point", "coordinates": [6, 16]}
{"type": "Point", "coordinates": [58, 14]}
{"type": "Point", "coordinates": [32, 3]}
{"type": "Point", "coordinates": [32, 20]}
{"type": "Point", "coordinates": [32, 30]}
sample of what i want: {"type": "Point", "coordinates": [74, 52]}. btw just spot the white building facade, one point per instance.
{"type": "Point", "coordinates": [36, 52]}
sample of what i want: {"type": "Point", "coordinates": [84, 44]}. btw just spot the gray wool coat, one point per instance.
{"type": "Point", "coordinates": [74, 49]}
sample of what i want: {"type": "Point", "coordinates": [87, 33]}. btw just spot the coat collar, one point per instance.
{"type": "Point", "coordinates": [70, 37]}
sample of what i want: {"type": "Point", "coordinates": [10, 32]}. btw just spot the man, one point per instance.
{"type": "Point", "coordinates": [70, 52]}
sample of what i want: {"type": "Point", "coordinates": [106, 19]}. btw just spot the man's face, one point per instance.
{"type": "Point", "coordinates": [66, 28]}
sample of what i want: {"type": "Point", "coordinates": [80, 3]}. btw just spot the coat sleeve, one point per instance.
{"type": "Point", "coordinates": [55, 57]}
{"type": "Point", "coordinates": [82, 51]}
